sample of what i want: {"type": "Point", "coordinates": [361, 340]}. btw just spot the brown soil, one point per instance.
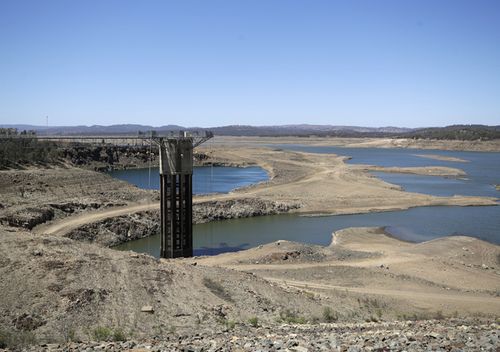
{"type": "Point", "coordinates": [449, 274]}
{"type": "Point", "coordinates": [52, 285]}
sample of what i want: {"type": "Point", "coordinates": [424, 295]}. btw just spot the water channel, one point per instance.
{"type": "Point", "coordinates": [417, 224]}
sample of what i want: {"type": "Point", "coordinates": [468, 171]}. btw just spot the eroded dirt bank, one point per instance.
{"type": "Point", "coordinates": [450, 274]}
{"type": "Point", "coordinates": [55, 286]}
{"type": "Point", "coordinates": [57, 290]}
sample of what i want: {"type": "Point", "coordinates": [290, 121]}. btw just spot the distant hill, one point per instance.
{"type": "Point", "coordinates": [301, 130]}
{"type": "Point", "coordinates": [462, 132]}
{"type": "Point", "coordinates": [232, 130]}
{"type": "Point", "coordinates": [124, 129]}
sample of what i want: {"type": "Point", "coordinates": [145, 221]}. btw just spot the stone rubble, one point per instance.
{"type": "Point", "coordinates": [430, 335]}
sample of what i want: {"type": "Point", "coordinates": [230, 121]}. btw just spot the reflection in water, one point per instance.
{"type": "Point", "coordinates": [221, 248]}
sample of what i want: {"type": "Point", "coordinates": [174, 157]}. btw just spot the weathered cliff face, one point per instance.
{"type": "Point", "coordinates": [113, 231]}
{"type": "Point", "coordinates": [102, 158]}
{"type": "Point", "coordinates": [34, 196]}
{"type": "Point", "coordinates": [238, 208]}
{"type": "Point", "coordinates": [28, 217]}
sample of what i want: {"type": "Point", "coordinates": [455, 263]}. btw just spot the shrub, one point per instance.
{"type": "Point", "coordinates": [217, 289]}
{"type": "Point", "coordinates": [16, 340]}
{"type": "Point", "coordinates": [101, 333]}
{"type": "Point", "coordinates": [229, 324]}
{"type": "Point", "coordinates": [329, 315]}
{"type": "Point", "coordinates": [3, 339]}
{"type": "Point", "coordinates": [291, 317]}
{"type": "Point", "coordinates": [119, 335]}
{"type": "Point", "coordinates": [254, 321]}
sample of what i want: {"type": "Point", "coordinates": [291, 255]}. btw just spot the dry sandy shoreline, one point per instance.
{"type": "Point", "coordinates": [441, 157]}
{"type": "Point", "coordinates": [451, 273]}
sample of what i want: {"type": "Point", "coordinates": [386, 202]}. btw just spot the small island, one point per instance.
{"type": "Point", "coordinates": [442, 158]}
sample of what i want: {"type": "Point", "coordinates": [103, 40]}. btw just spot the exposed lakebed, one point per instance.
{"type": "Point", "coordinates": [482, 168]}
{"type": "Point", "coordinates": [417, 224]}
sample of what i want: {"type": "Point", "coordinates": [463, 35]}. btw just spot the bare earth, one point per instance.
{"type": "Point", "coordinates": [449, 274]}
{"type": "Point", "coordinates": [441, 157]}
{"type": "Point", "coordinates": [53, 287]}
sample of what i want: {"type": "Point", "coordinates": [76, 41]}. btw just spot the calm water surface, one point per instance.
{"type": "Point", "coordinates": [417, 224]}
{"type": "Point", "coordinates": [206, 179]}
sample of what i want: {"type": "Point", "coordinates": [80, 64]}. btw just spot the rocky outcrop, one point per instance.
{"type": "Point", "coordinates": [109, 157]}
{"type": "Point", "coordinates": [113, 231]}
{"type": "Point", "coordinates": [71, 207]}
{"type": "Point", "coordinates": [28, 217]}
{"type": "Point", "coordinates": [238, 208]}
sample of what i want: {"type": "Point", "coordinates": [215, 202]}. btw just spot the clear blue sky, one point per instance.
{"type": "Point", "coordinates": [259, 62]}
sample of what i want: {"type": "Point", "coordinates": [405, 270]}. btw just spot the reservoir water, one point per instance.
{"type": "Point", "coordinates": [417, 224]}
{"type": "Point", "coordinates": [206, 179]}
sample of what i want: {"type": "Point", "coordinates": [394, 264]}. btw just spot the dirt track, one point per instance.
{"type": "Point", "coordinates": [440, 298]}
{"type": "Point", "coordinates": [65, 225]}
